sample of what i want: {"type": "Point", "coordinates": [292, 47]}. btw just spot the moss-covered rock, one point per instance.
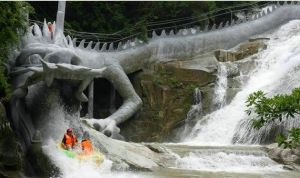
{"type": "Point", "coordinates": [10, 151]}
{"type": "Point", "coordinates": [40, 162]}
{"type": "Point", "coordinates": [167, 89]}
{"type": "Point", "coordinates": [167, 94]}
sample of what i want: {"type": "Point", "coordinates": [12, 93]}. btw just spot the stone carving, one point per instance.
{"type": "Point", "coordinates": [45, 57]}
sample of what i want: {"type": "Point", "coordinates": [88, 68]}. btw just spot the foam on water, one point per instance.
{"type": "Point", "coordinates": [279, 61]}
{"type": "Point", "coordinates": [59, 121]}
{"type": "Point", "coordinates": [221, 86]}
{"type": "Point", "coordinates": [276, 63]}
{"type": "Point", "coordinates": [231, 162]}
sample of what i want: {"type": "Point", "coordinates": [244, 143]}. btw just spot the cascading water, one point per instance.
{"type": "Point", "coordinates": [194, 112]}
{"type": "Point", "coordinates": [221, 87]}
{"type": "Point", "coordinates": [233, 162]}
{"type": "Point", "coordinates": [276, 64]}
{"type": "Point", "coordinates": [59, 121]}
{"type": "Point", "coordinates": [218, 102]}
{"type": "Point", "coordinates": [277, 72]}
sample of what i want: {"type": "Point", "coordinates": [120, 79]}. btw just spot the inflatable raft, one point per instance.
{"type": "Point", "coordinates": [96, 156]}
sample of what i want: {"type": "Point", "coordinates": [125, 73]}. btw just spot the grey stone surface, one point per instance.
{"type": "Point", "coordinates": [241, 51]}
{"type": "Point", "coordinates": [10, 152]}
{"type": "Point", "coordinates": [129, 155]}
{"type": "Point", "coordinates": [289, 157]}
{"type": "Point", "coordinates": [60, 58]}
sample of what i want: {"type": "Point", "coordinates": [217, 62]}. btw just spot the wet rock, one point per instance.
{"type": "Point", "coordinates": [165, 104]}
{"type": "Point", "coordinates": [230, 94]}
{"type": "Point", "coordinates": [10, 151]}
{"type": "Point", "coordinates": [129, 155]}
{"type": "Point", "coordinates": [207, 62]}
{"type": "Point", "coordinates": [234, 82]}
{"type": "Point", "coordinates": [232, 70]}
{"type": "Point", "coordinates": [179, 69]}
{"type": "Point", "coordinates": [247, 65]}
{"type": "Point", "coordinates": [207, 99]}
{"type": "Point", "coordinates": [241, 51]}
{"type": "Point", "coordinates": [39, 162]}
{"type": "Point", "coordinates": [167, 94]}
{"type": "Point", "coordinates": [258, 39]}
{"type": "Point", "coordinates": [289, 157]}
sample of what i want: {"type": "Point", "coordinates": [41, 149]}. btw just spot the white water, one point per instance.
{"type": "Point", "coordinates": [221, 86]}
{"type": "Point", "coordinates": [59, 121]}
{"type": "Point", "coordinates": [277, 63]}
{"type": "Point", "coordinates": [193, 113]}
{"type": "Point", "coordinates": [231, 162]}
{"type": "Point", "coordinates": [277, 72]}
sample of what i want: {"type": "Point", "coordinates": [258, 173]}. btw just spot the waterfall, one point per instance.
{"type": "Point", "coordinates": [277, 72]}
{"type": "Point", "coordinates": [196, 107]}
{"type": "Point", "coordinates": [194, 113]}
{"type": "Point", "coordinates": [219, 100]}
{"type": "Point", "coordinates": [59, 121]}
{"type": "Point", "coordinates": [197, 97]}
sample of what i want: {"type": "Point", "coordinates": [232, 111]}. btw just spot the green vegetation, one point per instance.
{"type": "Point", "coordinates": [175, 83]}
{"type": "Point", "coordinates": [166, 78]}
{"type": "Point", "coordinates": [190, 88]}
{"type": "Point", "coordinates": [12, 23]}
{"type": "Point", "coordinates": [277, 107]}
{"type": "Point", "coordinates": [129, 18]}
{"type": "Point", "coordinates": [121, 18]}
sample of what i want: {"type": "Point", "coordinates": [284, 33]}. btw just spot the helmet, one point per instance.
{"type": "Point", "coordinates": [86, 135]}
{"type": "Point", "coordinates": [69, 130]}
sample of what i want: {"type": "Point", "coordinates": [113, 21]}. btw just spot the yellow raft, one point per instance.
{"type": "Point", "coordinates": [96, 156]}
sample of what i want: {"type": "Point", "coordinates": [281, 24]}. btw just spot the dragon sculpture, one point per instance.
{"type": "Point", "coordinates": [43, 60]}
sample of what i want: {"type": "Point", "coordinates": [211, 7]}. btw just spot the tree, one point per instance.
{"type": "Point", "coordinates": [130, 18]}
{"type": "Point", "coordinates": [13, 24]}
{"type": "Point", "coordinates": [277, 107]}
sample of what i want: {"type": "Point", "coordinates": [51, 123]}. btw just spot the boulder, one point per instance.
{"type": "Point", "coordinates": [127, 155]}
{"type": "Point", "coordinates": [167, 93]}
{"type": "Point", "coordinates": [289, 157]}
{"type": "Point", "coordinates": [241, 51]}
{"type": "Point", "coordinates": [178, 69]}
{"type": "Point", "coordinates": [166, 102]}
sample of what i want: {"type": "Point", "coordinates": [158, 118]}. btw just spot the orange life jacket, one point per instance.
{"type": "Point", "coordinates": [70, 140]}
{"type": "Point", "coordinates": [86, 146]}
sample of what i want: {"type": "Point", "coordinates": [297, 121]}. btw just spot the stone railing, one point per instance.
{"type": "Point", "coordinates": [283, 14]}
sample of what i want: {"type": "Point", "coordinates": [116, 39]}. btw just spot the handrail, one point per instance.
{"type": "Point", "coordinates": [199, 16]}
{"type": "Point", "coordinates": [169, 25]}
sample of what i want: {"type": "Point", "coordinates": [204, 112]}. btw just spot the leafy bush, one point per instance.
{"type": "Point", "coordinates": [277, 107]}
{"type": "Point", "coordinates": [291, 141]}
{"type": "Point", "coordinates": [175, 83]}
{"type": "Point", "coordinates": [13, 24]}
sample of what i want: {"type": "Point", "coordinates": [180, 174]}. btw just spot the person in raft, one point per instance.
{"type": "Point", "coordinates": [70, 140]}
{"type": "Point", "coordinates": [86, 144]}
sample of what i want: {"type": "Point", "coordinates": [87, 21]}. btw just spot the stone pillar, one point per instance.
{"type": "Point", "coordinates": [91, 100]}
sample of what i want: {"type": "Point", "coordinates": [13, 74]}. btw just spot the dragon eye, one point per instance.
{"type": "Point", "coordinates": [32, 59]}
{"type": "Point", "coordinates": [75, 60]}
